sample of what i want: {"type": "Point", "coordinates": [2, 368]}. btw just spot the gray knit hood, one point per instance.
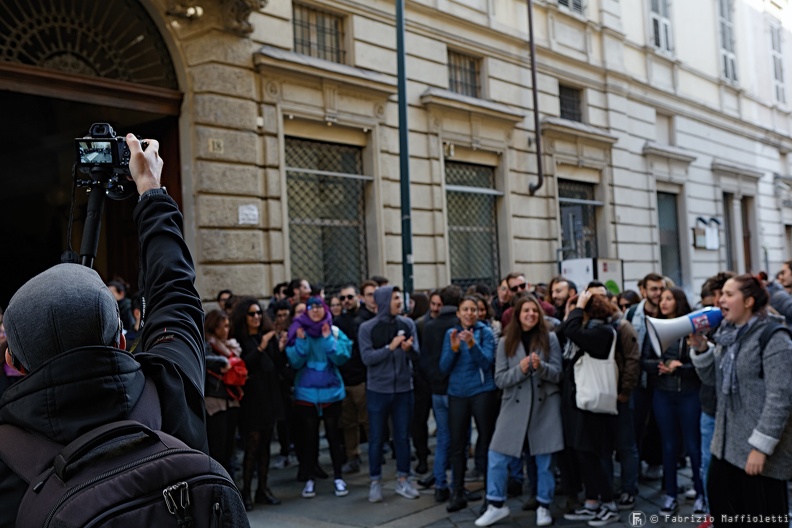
{"type": "Point", "coordinates": [66, 307]}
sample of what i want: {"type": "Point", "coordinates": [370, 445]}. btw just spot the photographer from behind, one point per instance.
{"type": "Point", "coordinates": [64, 335]}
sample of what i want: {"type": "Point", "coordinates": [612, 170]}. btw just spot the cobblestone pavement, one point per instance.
{"type": "Point", "coordinates": [328, 511]}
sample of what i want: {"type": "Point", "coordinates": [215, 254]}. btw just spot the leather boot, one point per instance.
{"type": "Point", "coordinates": [265, 496]}
{"type": "Point", "coordinates": [246, 500]}
{"type": "Point", "coordinates": [263, 493]}
{"type": "Point", "coordinates": [457, 501]}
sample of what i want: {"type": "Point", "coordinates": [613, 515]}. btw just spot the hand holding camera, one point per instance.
{"type": "Point", "coordinates": [145, 166]}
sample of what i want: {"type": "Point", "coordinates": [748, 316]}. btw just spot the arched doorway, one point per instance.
{"type": "Point", "coordinates": [78, 63]}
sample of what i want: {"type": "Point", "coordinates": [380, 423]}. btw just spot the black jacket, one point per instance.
{"type": "Point", "coordinates": [84, 388]}
{"type": "Point", "coordinates": [434, 332]}
{"type": "Point", "coordinates": [353, 371]}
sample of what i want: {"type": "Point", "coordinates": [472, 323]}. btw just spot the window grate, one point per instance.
{"type": "Point", "coordinates": [578, 210]}
{"type": "Point", "coordinates": [327, 215]}
{"type": "Point", "coordinates": [318, 33]}
{"type": "Point", "coordinates": [472, 225]}
{"type": "Point", "coordinates": [573, 5]}
{"type": "Point", "coordinates": [464, 74]}
{"type": "Point", "coordinates": [571, 107]}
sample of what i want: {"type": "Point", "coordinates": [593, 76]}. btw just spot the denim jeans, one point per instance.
{"type": "Point", "coordinates": [627, 449]}
{"type": "Point", "coordinates": [679, 412]}
{"type": "Point", "coordinates": [498, 476]}
{"type": "Point", "coordinates": [399, 407]}
{"type": "Point", "coordinates": [443, 440]}
{"type": "Point", "coordinates": [707, 424]}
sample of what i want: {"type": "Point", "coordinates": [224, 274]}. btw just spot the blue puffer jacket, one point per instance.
{"type": "Point", "coordinates": [470, 370]}
{"type": "Point", "coordinates": [316, 360]}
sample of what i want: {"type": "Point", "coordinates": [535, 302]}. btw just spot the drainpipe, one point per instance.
{"type": "Point", "coordinates": [535, 89]}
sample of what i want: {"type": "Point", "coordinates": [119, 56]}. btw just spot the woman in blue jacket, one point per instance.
{"type": "Point", "coordinates": [468, 359]}
{"type": "Point", "coordinates": [315, 348]}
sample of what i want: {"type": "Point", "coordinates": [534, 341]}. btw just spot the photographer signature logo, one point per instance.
{"type": "Point", "coordinates": [637, 518]}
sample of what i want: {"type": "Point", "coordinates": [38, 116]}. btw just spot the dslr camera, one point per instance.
{"type": "Point", "coordinates": [103, 149]}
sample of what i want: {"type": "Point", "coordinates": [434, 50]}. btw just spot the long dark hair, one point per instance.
{"type": "Point", "coordinates": [539, 337]}
{"type": "Point", "coordinates": [213, 321]}
{"type": "Point", "coordinates": [682, 304]}
{"type": "Point", "coordinates": [239, 319]}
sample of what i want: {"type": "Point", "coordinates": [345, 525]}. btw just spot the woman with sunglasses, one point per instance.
{"type": "Point", "coordinates": [262, 403]}
{"type": "Point", "coordinates": [315, 349]}
{"type": "Point", "coordinates": [752, 443]}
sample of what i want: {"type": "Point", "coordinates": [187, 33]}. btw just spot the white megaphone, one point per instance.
{"type": "Point", "coordinates": [663, 332]}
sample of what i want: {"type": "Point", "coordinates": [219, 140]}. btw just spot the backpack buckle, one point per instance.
{"type": "Point", "coordinates": [180, 491]}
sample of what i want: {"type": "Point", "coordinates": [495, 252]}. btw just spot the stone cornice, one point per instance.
{"type": "Point", "coordinates": [558, 127]}
{"type": "Point", "coordinates": [447, 100]}
{"type": "Point", "coordinates": [667, 151]}
{"type": "Point", "coordinates": [270, 59]}
{"type": "Point", "coordinates": [733, 169]}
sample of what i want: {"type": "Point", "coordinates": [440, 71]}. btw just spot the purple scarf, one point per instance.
{"type": "Point", "coordinates": [312, 328]}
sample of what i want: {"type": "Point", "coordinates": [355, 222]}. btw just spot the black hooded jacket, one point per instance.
{"type": "Point", "coordinates": [84, 388]}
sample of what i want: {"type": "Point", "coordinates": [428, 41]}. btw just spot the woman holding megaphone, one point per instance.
{"type": "Point", "coordinates": [752, 442]}
{"type": "Point", "coordinates": [676, 404]}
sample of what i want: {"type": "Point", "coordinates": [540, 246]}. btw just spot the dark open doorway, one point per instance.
{"type": "Point", "coordinates": [36, 157]}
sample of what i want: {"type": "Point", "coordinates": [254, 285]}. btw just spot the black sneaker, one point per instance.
{"type": "Point", "coordinates": [581, 514]}
{"type": "Point", "coordinates": [626, 501]}
{"type": "Point", "coordinates": [604, 517]}
{"type": "Point", "coordinates": [670, 506]}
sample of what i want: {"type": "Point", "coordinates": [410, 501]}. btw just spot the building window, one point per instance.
{"type": "Point", "coordinates": [571, 103]}
{"type": "Point", "coordinates": [670, 248]}
{"type": "Point", "coordinates": [778, 61]}
{"type": "Point", "coordinates": [728, 57]}
{"type": "Point", "coordinates": [326, 199]}
{"type": "Point", "coordinates": [318, 33]}
{"type": "Point", "coordinates": [575, 6]}
{"type": "Point", "coordinates": [464, 75]}
{"type": "Point", "coordinates": [661, 25]}
{"type": "Point", "coordinates": [578, 210]}
{"type": "Point", "coordinates": [472, 224]}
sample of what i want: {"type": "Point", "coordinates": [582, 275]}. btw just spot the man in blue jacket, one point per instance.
{"type": "Point", "coordinates": [389, 347]}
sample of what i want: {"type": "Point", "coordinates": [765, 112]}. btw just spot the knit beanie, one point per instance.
{"type": "Point", "coordinates": [68, 306]}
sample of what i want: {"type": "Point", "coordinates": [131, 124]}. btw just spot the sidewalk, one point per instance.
{"type": "Point", "coordinates": [328, 511]}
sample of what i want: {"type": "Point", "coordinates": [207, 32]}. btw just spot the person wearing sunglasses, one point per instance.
{"type": "Point", "coordinates": [262, 404]}
{"type": "Point", "coordinates": [354, 413]}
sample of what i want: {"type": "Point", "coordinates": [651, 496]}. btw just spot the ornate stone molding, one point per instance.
{"type": "Point", "coordinates": [237, 12]}
{"type": "Point", "coordinates": [482, 108]}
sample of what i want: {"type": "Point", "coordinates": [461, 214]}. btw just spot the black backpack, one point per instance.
{"type": "Point", "coordinates": [120, 474]}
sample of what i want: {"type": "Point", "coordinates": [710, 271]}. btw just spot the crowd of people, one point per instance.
{"type": "Point", "coordinates": [363, 364]}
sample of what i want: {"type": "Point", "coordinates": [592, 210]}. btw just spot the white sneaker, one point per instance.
{"type": "Point", "coordinates": [691, 494]}
{"type": "Point", "coordinates": [340, 488]}
{"type": "Point", "coordinates": [543, 517]}
{"type": "Point", "coordinates": [405, 489]}
{"type": "Point", "coordinates": [309, 491]}
{"type": "Point", "coordinates": [375, 491]}
{"type": "Point", "coordinates": [492, 515]}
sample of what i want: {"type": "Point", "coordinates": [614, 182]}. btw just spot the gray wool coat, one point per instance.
{"type": "Point", "coordinates": [531, 403]}
{"type": "Point", "coordinates": [758, 415]}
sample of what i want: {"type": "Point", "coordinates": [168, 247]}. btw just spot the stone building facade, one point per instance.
{"type": "Point", "coordinates": [666, 129]}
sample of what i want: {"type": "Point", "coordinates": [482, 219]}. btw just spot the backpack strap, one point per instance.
{"type": "Point", "coordinates": [25, 453]}
{"type": "Point", "coordinates": [147, 410]}
{"type": "Point", "coordinates": [764, 339]}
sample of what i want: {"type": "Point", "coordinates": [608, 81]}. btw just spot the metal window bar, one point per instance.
{"type": "Point", "coordinates": [472, 224]}
{"type": "Point", "coordinates": [326, 192]}
{"type": "Point", "coordinates": [578, 211]}
{"type": "Point", "coordinates": [573, 5]}
{"type": "Point", "coordinates": [318, 33]}
{"type": "Point", "coordinates": [464, 74]}
{"type": "Point", "coordinates": [570, 103]}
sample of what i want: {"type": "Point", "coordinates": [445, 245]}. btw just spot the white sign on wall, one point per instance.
{"type": "Point", "coordinates": [248, 214]}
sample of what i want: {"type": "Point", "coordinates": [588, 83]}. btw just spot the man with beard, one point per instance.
{"type": "Point", "coordinates": [561, 290]}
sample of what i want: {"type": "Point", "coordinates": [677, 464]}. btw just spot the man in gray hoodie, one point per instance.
{"type": "Point", "coordinates": [388, 347]}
